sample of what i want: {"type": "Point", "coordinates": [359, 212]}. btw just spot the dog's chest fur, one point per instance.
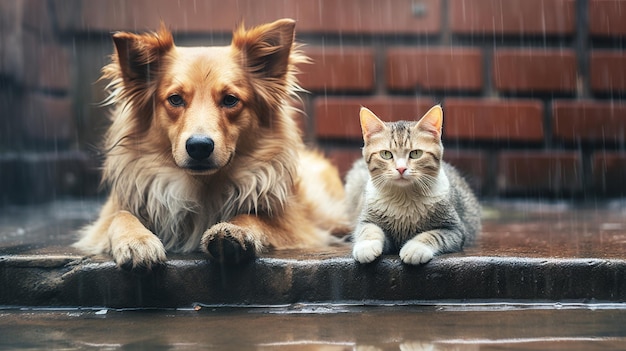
{"type": "Point", "coordinates": [179, 207]}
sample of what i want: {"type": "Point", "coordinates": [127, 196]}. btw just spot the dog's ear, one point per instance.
{"type": "Point", "coordinates": [138, 54]}
{"type": "Point", "coordinates": [265, 49]}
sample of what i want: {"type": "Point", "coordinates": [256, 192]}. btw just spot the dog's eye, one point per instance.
{"type": "Point", "coordinates": [230, 100]}
{"type": "Point", "coordinates": [176, 100]}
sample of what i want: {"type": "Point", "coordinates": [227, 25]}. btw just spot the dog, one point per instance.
{"type": "Point", "coordinates": [204, 152]}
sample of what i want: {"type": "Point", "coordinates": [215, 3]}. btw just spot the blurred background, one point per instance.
{"type": "Point", "coordinates": [533, 91]}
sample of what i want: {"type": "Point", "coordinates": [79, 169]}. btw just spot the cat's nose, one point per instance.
{"type": "Point", "coordinates": [401, 170]}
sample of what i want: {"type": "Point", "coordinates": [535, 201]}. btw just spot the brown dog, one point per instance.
{"type": "Point", "coordinates": [203, 152]}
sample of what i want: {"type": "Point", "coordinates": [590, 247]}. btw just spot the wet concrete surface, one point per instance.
{"type": "Point", "coordinates": [321, 327]}
{"type": "Point", "coordinates": [541, 277]}
{"type": "Point", "coordinates": [527, 251]}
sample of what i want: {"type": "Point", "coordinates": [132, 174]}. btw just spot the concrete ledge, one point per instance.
{"type": "Point", "coordinates": [68, 281]}
{"type": "Point", "coordinates": [553, 253]}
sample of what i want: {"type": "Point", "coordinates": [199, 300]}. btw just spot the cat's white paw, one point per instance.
{"type": "Point", "coordinates": [366, 251]}
{"type": "Point", "coordinates": [416, 346]}
{"type": "Point", "coordinates": [414, 252]}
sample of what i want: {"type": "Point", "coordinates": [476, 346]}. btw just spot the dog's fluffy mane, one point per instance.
{"type": "Point", "coordinates": [174, 204]}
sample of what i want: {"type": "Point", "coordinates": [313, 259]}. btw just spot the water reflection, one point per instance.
{"type": "Point", "coordinates": [363, 328]}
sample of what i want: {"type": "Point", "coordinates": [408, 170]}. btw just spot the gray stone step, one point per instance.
{"type": "Point", "coordinates": [527, 251]}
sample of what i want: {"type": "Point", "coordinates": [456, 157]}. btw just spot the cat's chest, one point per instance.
{"type": "Point", "coordinates": [401, 216]}
{"type": "Point", "coordinates": [404, 211]}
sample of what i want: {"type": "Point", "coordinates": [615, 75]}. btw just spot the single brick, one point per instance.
{"type": "Point", "coordinates": [10, 16]}
{"type": "Point", "coordinates": [589, 121]}
{"type": "Point", "coordinates": [338, 70]}
{"type": "Point", "coordinates": [609, 173]}
{"type": "Point", "coordinates": [10, 40]}
{"type": "Point", "coordinates": [472, 164]}
{"type": "Point", "coordinates": [535, 70]}
{"type": "Point", "coordinates": [47, 118]}
{"type": "Point", "coordinates": [36, 16]}
{"type": "Point", "coordinates": [145, 15]}
{"type": "Point", "coordinates": [435, 68]}
{"type": "Point", "coordinates": [9, 11]}
{"type": "Point", "coordinates": [327, 16]}
{"type": "Point", "coordinates": [44, 65]}
{"type": "Point", "coordinates": [512, 17]}
{"type": "Point", "coordinates": [606, 17]}
{"type": "Point", "coordinates": [493, 120]}
{"type": "Point", "coordinates": [338, 118]}
{"type": "Point", "coordinates": [607, 70]}
{"type": "Point", "coordinates": [184, 16]}
{"type": "Point", "coordinates": [539, 172]}
{"type": "Point", "coordinates": [367, 16]}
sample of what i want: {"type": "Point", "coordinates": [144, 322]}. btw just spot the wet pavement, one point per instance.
{"type": "Point", "coordinates": [322, 327]}
{"type": "Point", "coordinates": [527, 251]}
{"type": "Point", "coordinates": [542, 276]}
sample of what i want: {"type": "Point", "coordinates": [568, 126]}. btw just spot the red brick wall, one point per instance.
{"type": "Point", "coordinates": [533, 91]}
{"type": "Point", "coordinates": [39, 156]}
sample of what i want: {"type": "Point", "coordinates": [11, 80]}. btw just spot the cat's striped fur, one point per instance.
{"type": "Point", "coordinates": [404, 197]}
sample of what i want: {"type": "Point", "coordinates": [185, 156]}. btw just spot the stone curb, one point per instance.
{"type": "Point", "coordinates": [66, 280]}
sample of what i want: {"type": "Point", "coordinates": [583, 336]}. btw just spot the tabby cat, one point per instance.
{"type": "Point", "coordinates": [404, 197]}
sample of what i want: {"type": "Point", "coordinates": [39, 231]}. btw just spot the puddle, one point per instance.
{"type": "Point", "coordinates": [371, 327]}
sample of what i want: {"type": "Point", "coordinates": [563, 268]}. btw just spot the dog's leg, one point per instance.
{"type": "Point", "coordinates": [133, 246]}
{"type": "Point", "coordinates": [236, 241]}
{"type": "Point", "coordinates": [122, 235]}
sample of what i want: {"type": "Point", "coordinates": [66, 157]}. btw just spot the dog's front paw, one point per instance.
{"type": "Point", "coordinates": [138, 252]}
{"type": "Point", "coordinates": [415, 252]}
{"type": "Point", "coordinates": [366, 251]}
{"type": "Point", "coordinates": [228, 243]}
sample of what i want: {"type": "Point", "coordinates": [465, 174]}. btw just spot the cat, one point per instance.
{"type": "Point", "coordinates": [403, 197]}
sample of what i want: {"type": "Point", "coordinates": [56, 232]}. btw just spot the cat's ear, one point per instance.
{"type": "Point", "coordinates": [432, 120]}
{"type": "Point", "coordinates": [370, 124]}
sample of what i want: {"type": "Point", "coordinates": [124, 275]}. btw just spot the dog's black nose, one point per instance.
{"type": "Point", "coordinates": [199, 147]}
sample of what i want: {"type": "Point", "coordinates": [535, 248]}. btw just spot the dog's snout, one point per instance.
{"type": "Point", "coordinates": [199, 147]}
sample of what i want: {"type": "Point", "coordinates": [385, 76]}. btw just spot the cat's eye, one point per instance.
{"type": "Point", "coordinates": [386, 155]}
{"type": "Point", "coordinates": [415, 154]}
{"type": "Point", "coordinates": [176, 100]}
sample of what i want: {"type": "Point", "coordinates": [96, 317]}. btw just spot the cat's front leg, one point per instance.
{"type": "Point", "coordinates": [424, 246]}
{"type": "Point", "coordinates": [369, 241]}
{"type": "Point", "coordinates": [415, 252]}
